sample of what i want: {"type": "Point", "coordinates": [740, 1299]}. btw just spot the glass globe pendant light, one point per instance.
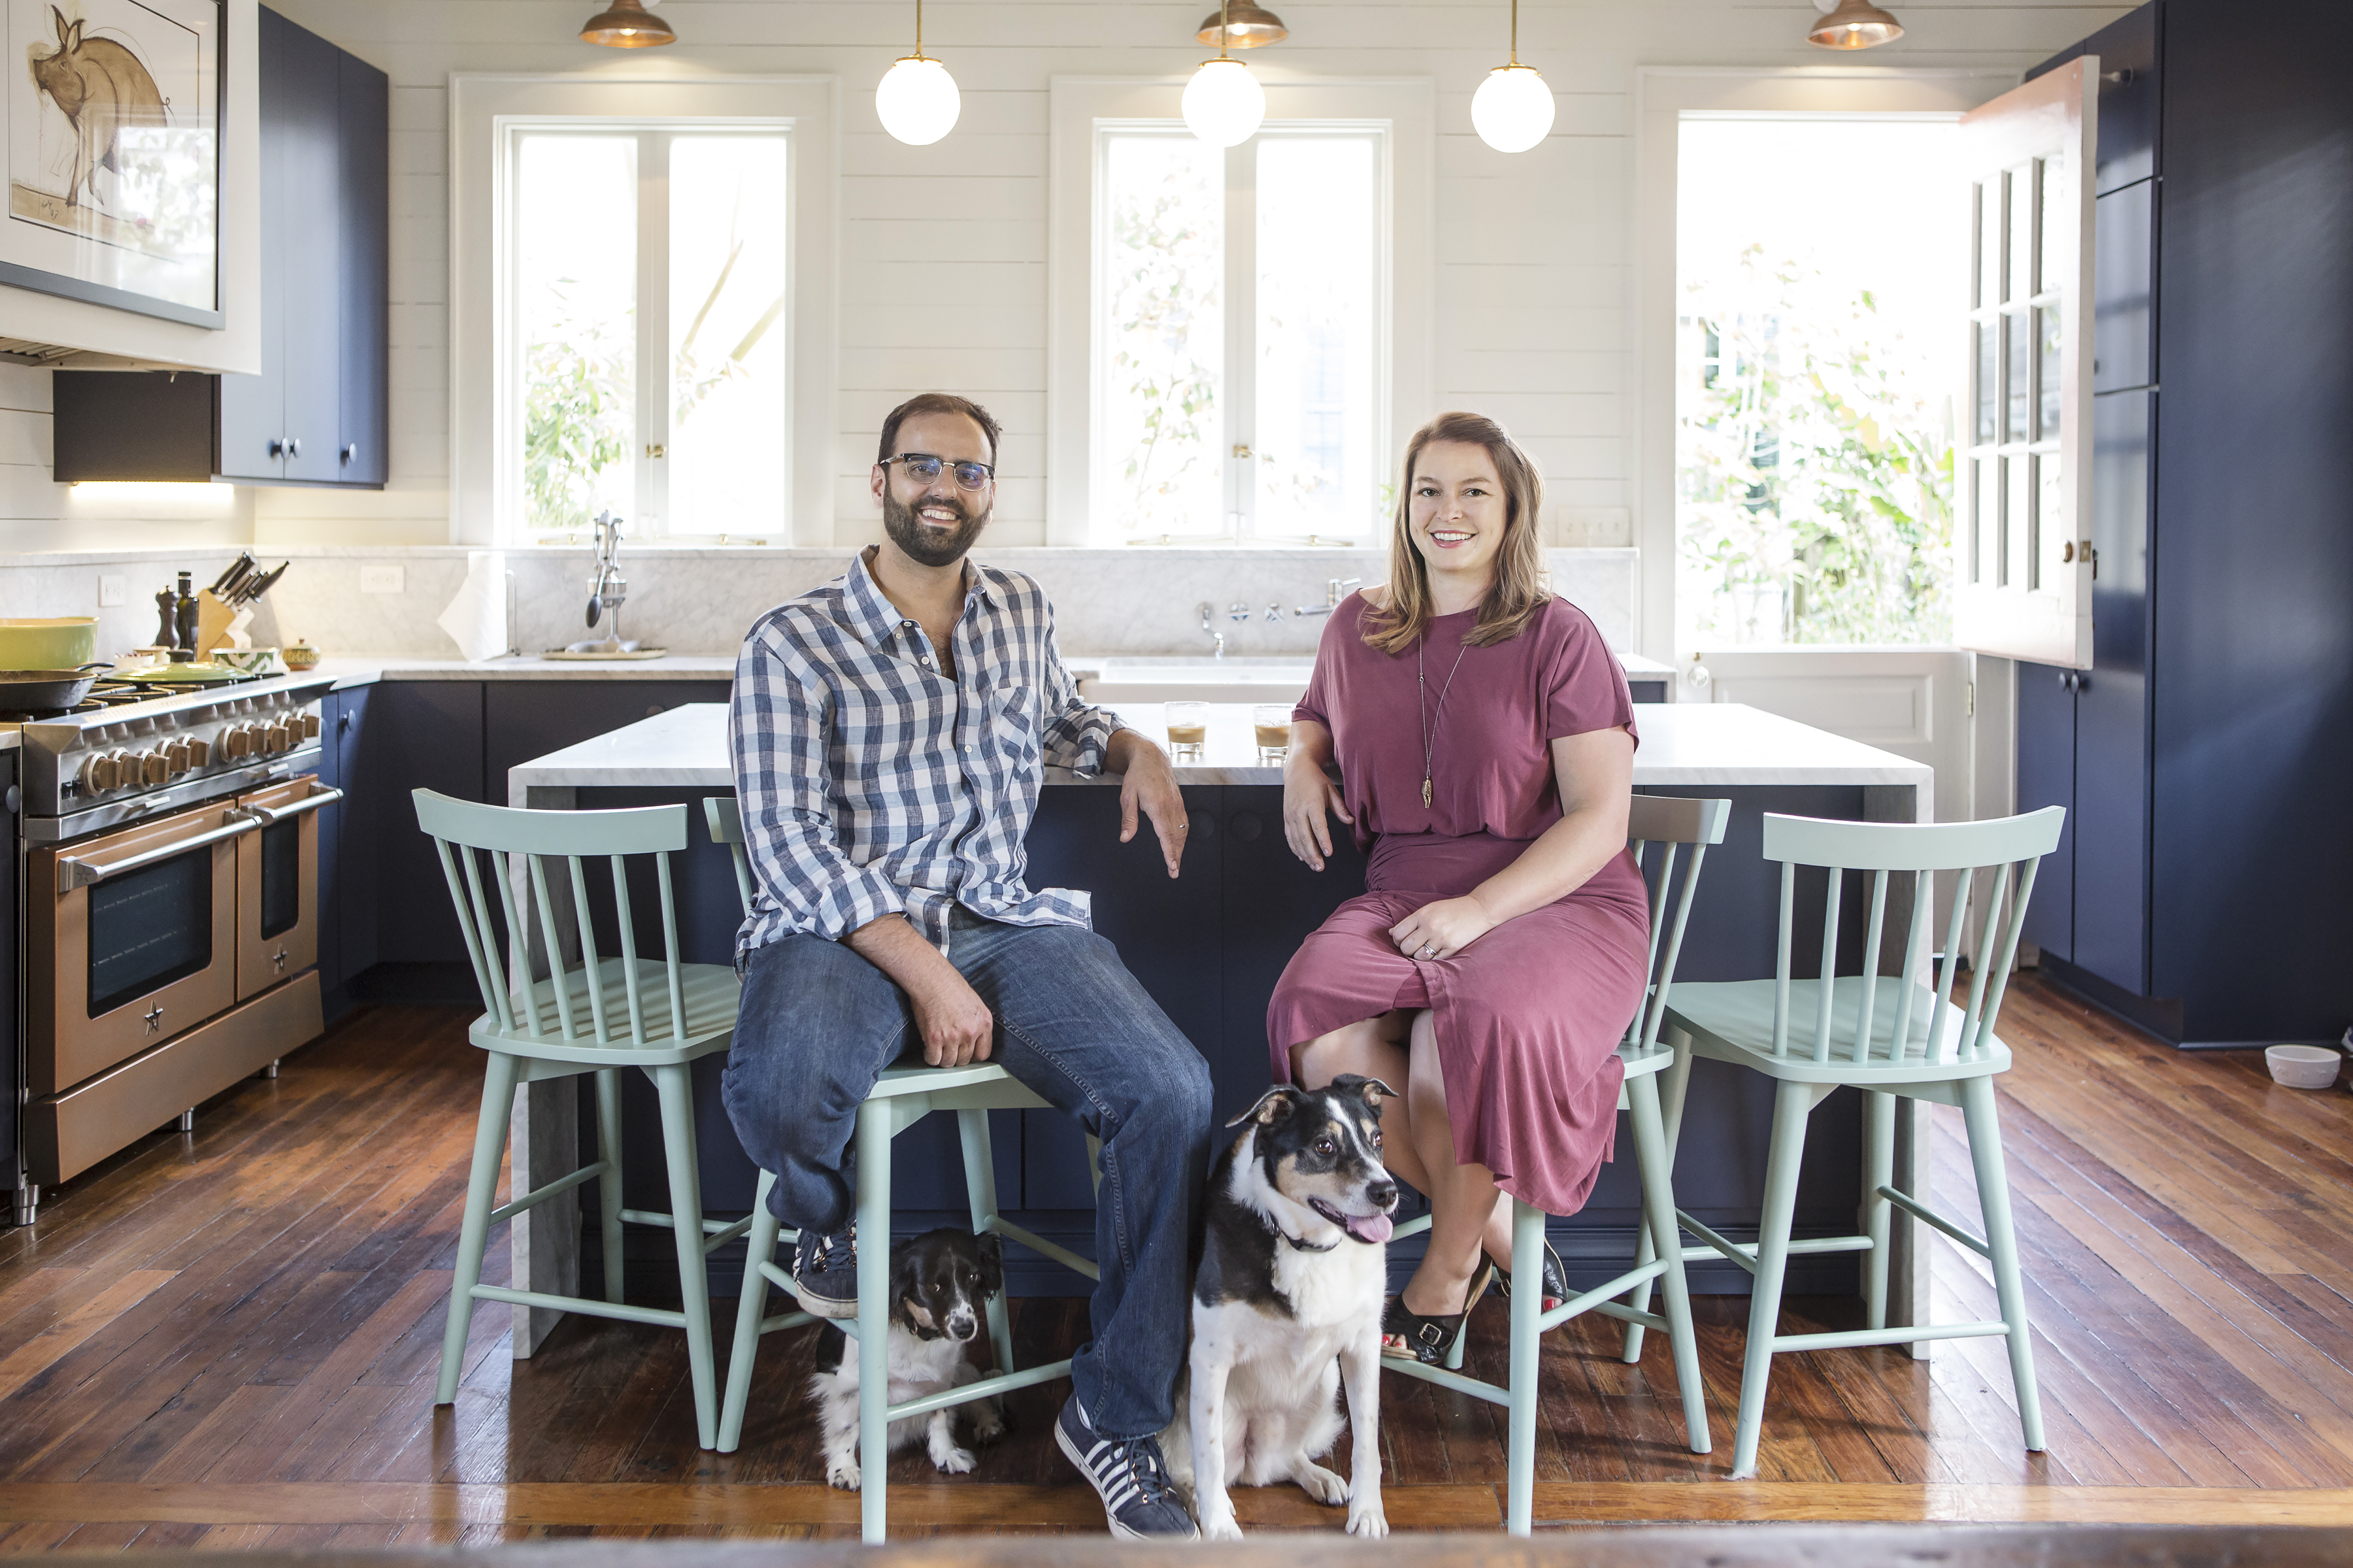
{"type": "Point", "coordinates": [1513, 109]}
{"type": "Point", "coordinates": [1224, 104]}
{"type": "Point", "coordinates": [917, 98]}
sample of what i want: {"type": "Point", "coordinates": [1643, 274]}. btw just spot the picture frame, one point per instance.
{"type": "Point", "coordinates": [111, 124]}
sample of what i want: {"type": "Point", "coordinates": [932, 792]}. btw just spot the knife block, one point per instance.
{"type": "Point", "coordinates": [220, 625]}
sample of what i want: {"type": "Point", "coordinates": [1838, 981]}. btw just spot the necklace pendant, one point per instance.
{"type": "Point", "coordinates": [1425, 791]}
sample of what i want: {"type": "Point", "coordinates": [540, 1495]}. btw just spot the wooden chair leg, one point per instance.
{"type": "Point", "coordinates": [675, 1085]}
{"type": "Point", "coordinates": [1878, 1171]}
{"type": "Point", "coordinates": [1527, 1308]}
{"type": "Point", "coordinates": [980, 1191]}
{"type": "Point", "coordinates": [473, 1232]}
{"type": "Point", "coordinates": [1793, 1105]}
{"type": "Point", "coordinates": [1984, 1123]}
{"type": "Point", "coordinates": [760, 1248]}
{"type": "Point", "coordinates": [873, 1318]}
{"type": "Point", "coordinates": [608, 1185]}
{"type": "Point", "coordinates": [1659, 1223]}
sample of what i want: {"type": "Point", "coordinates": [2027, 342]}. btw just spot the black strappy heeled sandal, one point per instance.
{"type": "Point", "coordinates": [1556, 1279]}
{"type": "Point", "coordinates": [1430, 1339]}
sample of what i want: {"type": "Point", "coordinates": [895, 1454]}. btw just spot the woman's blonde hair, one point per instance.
{"type": "Point", "coordinates": [1518, 592]}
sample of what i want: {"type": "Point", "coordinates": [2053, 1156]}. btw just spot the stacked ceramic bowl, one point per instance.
{"type": "Point", "coordinates": [2304, 1067]}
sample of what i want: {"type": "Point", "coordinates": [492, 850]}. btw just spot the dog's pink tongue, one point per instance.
{"type": "Point", "coordinates": [1374, 1228]}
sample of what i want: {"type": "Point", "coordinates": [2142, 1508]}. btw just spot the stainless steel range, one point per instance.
{"type": "Point", "coordinates": [167, 875]}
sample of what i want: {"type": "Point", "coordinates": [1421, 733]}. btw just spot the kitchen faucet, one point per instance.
{"type": "Point", "coordinates": [609, 590]}
{"type": "Point", "coordinates": [1333, 591]}
{"type": "Point", "coordinates": [1214, 635]}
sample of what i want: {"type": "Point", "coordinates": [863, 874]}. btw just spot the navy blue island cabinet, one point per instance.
{"type": "Point", "coordinates": [2205, 890]}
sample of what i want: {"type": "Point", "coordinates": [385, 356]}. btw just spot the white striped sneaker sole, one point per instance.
{"type": "Point", "coordinates": [1127, 1493]}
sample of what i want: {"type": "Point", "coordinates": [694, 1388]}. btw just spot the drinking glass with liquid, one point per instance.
{"type": "Point", "coordinates": [1271, 721]}
{"type": "Point", "coordinates": [1188, 731]}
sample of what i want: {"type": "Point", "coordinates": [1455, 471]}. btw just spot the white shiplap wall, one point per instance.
{"type": "Point", "coordinates": [943, 248]}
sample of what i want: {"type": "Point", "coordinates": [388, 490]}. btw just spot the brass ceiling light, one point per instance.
{"type": "Point", "coordinates": [1855, 25]}
{"type": "Point", "coordinates": [626, 25]}
{"type": "Point", "coordinates": [1245, 26]}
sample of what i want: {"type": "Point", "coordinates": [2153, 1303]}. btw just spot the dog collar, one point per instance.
{"type": "Point", "coordinates": [1300, 1245]}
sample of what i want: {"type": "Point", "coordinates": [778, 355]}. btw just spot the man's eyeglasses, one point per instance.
{"type": "Point", "coordinates": [924, 466]}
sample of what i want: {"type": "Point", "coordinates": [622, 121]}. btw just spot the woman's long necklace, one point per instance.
{"type": "Point", "coordinates": [1431, 712]}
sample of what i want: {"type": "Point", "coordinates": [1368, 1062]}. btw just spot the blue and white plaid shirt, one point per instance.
{"type": "Point", "coordinates": [872, 785]}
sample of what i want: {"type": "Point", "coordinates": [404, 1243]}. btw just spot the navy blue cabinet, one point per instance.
{"type": "Point", "coordinates": [317, 412]}
{"type": "Point", "coordinates": [419, 735]}
{"type": "Point", "coordinates": [2208, 874]}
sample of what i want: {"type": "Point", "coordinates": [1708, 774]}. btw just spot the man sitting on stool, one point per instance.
{"type": "Point", "coordinates": [890, 730]}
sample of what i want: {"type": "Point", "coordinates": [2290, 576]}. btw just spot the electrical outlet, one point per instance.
{"type": "Point", "coordinates": [109, 591]}
{"type": "Point", "coordinates": [384, 579]}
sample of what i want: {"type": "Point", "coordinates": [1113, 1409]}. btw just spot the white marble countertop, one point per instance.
{"type": "Point", "coordinates": [365, 669]}
{"type": "Point", "coordinates": [1687, 744]}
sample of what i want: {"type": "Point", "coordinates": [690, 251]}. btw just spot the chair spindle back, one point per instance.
{"type": "Point", "coordinates": [724, 817]}
{"type": "Point", "coordinates": [518, 848]}
{"type": "Point", "coordinates": [1669, 824]}
{"type": "Point", "coordinates": [2010, 849]}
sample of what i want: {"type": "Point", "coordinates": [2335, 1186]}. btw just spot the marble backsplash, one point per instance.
{"type": "Point", "coordinates": [1129, 601]}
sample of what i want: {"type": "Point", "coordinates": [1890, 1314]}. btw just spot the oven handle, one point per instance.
{"type": "Point", "coordinates": [73, 873]}
{"type": "Point", "coordinates": [270, 816]}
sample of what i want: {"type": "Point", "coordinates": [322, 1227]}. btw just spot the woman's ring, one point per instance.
{"type": "Point", "coordinates": [1428, 951]}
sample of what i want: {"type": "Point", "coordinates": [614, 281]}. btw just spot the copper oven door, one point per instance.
{"type": "Point", "coordinates": [277, 884]}
{"type": "Point", "coordinates": [131, 938]}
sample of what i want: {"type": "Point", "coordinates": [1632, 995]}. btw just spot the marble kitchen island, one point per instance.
{"type": "Point", "coordinates": [1209, 945]}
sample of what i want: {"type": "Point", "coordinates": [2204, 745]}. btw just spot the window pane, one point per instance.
{"type": "Point", "coordinates": [1992, 244]}
{"type": "Point", "coordinates": [2046, 331]}
{"type": "Point", "coordinates": [1161, 334]}
{"type": "Point", "coordinates": [1988, 382]}
{"type": "Point", "coordinates": [1980, 213]}
{"type": "Point", "coordinates": [2017, 520]}
{"type": "Point", "coordinates": [2051, 506]}
{"type": "Point", "coordinates": [2019, 395]}
{"type": "Point", "coordinates": [1981, 505]}
{"type": "Point", "coordinates": [727, 301]}
{"type": "Point", "coordinates": [1316, 446]}
{"type": "Point", "coordinates": [2020, 185]}
{"type": "Point", "coordinates": [575, 305]}
{"type": "Point", "coordinates": [2057, 191]}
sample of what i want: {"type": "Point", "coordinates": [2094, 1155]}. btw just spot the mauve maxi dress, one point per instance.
{"type": "Point", "coordinates": [1529, 1015]}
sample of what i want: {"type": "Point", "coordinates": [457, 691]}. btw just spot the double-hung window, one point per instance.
{"type": "Point", "coordinates": [650, 277]}
{"type": "Point", "coordinates": [642, 308]}
{"type": "Point", "coordinates": [1241, 333]}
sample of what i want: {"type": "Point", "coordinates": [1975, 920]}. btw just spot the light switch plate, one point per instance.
{"type": "Point", "coordinates": [109, 590]}
{"type": "Point", "coordinates": [384, 579]}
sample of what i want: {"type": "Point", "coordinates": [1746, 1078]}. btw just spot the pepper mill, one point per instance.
{"type": "Point", "coordinates": [168, 608]}
{"type": "Point", "coordinates": [185, 642]}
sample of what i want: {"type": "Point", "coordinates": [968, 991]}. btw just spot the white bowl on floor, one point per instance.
{"type": "Point", "coordinates": [2304, 1067]}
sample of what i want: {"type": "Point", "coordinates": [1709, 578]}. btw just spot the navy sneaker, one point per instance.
{"type": "Point", "coordinates": [1130, 1477]}
{"type": "Point", "coordinates": [825, 1273]}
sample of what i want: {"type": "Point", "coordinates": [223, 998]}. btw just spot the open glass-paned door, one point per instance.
{"type": "Point", "coordinates": [2023, 581]}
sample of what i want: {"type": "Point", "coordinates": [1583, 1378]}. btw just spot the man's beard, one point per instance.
{"type": "Point", "coordinates": [926, 545]}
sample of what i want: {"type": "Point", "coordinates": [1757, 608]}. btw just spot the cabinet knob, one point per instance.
{"type": "Point", "coordinates": [293, 446]}
{"type": "Point", "coordinates": [1247, 825]}
{"type": "Point", "coordinates": [278, 446]}
{"type": "Point", "coordinates": [351, 453]}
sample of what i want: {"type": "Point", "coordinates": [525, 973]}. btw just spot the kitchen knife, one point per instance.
{"type": "Point", "coordinates": [238, 570]}
{"type": "Point", "coordinates": [254, 587]}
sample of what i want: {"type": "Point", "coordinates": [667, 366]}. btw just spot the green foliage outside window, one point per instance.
{"type": "Point", "coordinates": [578, 414]}
{"type": "Point", "coordinates": [1816, 480]}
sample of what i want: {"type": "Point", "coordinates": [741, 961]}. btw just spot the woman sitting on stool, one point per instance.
{"type": "Point", "coordinates": [1485, 743]}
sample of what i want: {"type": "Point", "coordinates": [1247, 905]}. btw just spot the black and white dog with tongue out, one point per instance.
{"type": "Point", "coordinates": [1287, 1307]}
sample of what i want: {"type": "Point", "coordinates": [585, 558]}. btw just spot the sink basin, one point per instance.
{"type": "Point", "coordinates": [1197, 680]}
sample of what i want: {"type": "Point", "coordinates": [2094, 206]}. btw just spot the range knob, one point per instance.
{"type": "Point", "coordinates": [309, 726]}
{"type": "Point", "coordinates": [200, 752]}
{"type": "Point", "coordinates": [239, 742]}
{"type": "Point", "coordinates": [275, 738]}
{"type": "Point", "coordinates": [100, 773]}
{"type": "Point", "coordinates": [175, 757]}
{"type": "Point", "coordinates": [153, 768]}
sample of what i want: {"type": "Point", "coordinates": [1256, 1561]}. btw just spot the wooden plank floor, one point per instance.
{"type": "Point", "coordinates": [230, 1340]}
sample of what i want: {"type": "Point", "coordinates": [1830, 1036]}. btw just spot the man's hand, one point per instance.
{"type": "Point", "coordinates": [954, 1022]}
{"type": "Point", "coordinates": [1147, 781]}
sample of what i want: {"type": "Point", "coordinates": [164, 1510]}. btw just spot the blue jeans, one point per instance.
{"type": "Point", "coordinates": [818, 1025]}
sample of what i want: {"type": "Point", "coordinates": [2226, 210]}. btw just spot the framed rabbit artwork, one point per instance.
{"type": "Point", "coordinates": [113, 114]}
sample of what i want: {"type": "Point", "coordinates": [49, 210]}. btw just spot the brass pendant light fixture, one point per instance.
{"type": "Point", "coordinates": [1223, 104]}
{"type": "Point", "coordinates": [1242, 26]}
{"type": "Point", "coordinates": [626, 25]}
{"type": "Point", "coordinates": [1854, 24]}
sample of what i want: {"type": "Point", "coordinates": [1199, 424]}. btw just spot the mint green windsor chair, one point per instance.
{"type": "Point", "coordinates": [1669, 825]}
{"type": "Point", "coordinates": [1893, 1037]}
{"type": "Point", "coordinates": [590, 1016]}
{"type": "Point", "coordinates": [902, 1096]}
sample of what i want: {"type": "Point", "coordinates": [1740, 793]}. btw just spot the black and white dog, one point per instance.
{"type": "Point", "coordinates": [1287, 1305]}
{"type": "Point", "coordinates": [940, 1285]}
